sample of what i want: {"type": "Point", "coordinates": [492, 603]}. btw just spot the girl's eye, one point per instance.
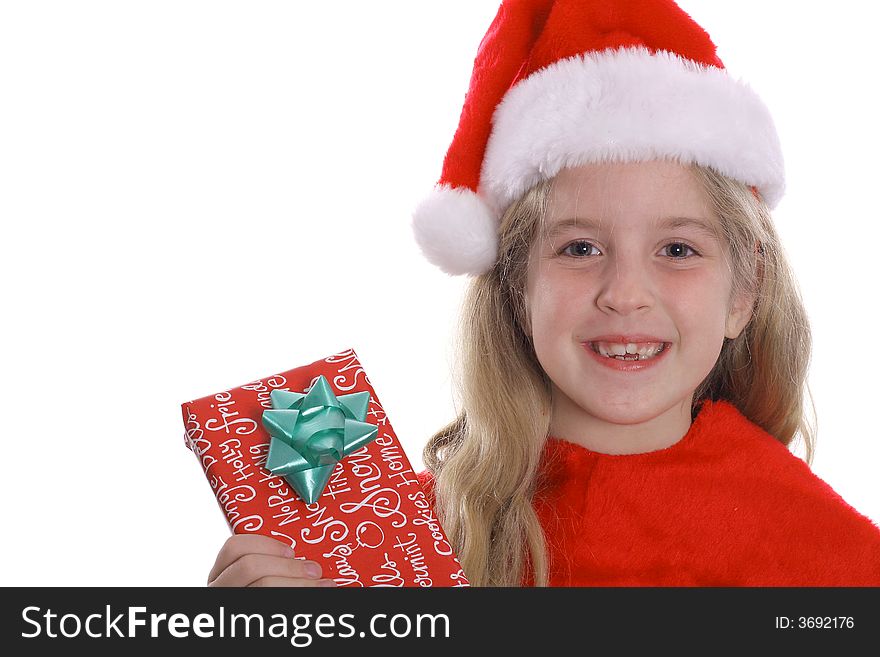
{"type": "Point", "coordinates": [580, 249]}
{"type": "Point", "coordinates": [674, 250]}
{"type": "Point", "coordinates": [678, 250]}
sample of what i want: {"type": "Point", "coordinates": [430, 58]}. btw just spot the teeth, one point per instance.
{"type": "Point", "coordinates": [642, 351]}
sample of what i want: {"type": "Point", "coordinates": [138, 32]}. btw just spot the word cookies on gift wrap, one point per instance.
{"type": "Point", "coordinates": [370, 523]}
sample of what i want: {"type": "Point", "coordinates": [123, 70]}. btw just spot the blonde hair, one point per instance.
{"type": "Point", "coordinates": [486, 462]}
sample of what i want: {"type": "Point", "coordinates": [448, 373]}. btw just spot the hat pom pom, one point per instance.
{"type": "Point", "coordinates": [456, 231]}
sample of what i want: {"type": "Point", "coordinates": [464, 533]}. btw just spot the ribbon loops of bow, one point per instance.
{"type": "Point", "coordinates": [310, 433]}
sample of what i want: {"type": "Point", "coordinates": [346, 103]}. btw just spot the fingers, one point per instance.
{"type": "Point", "coordinates": [251, 560]}
{"type": "Point", "coordinates": [291, 582]}
{"type": "Point", "coordinates": [248, 569]}
{"type": "Point", "coordinates": [238, 545]}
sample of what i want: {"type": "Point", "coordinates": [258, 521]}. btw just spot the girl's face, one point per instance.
{"type": "Point", "coordinates": [629, 261]}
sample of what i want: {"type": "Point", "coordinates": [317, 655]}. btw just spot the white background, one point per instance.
{"type": "Point", "coordinates": [194, 195]}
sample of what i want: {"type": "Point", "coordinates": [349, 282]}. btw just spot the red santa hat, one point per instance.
{"type": "Point", "coordinates": [561, 83]}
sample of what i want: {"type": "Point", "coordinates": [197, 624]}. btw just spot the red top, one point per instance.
{"type": "Point", "coordinates": [727, 505]}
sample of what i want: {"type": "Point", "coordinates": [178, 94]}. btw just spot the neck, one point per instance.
{"type": "Point", "coordinates": [605, 436]}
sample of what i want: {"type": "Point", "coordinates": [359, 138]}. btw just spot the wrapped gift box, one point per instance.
{"type": "Point", "coordinates": [370, 524]}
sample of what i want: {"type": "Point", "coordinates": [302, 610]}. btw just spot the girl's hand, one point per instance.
{"type": "Point", "coordinates": [252, 560]}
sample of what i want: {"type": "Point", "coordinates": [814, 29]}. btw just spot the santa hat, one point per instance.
{"type": "Point", "coordinates": [561, 83]}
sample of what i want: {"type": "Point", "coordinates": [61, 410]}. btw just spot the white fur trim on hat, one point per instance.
{"type": "Point", "coordinates": [456, 231]}
{"type": "Point", "coordinates": [629, 105]}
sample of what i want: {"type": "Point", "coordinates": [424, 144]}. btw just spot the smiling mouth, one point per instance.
{"type": "Point", "coordinates": [630, 350]}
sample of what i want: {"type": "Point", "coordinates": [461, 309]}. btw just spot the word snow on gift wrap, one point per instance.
{"type": "Point", "coordinates": [360, 510]}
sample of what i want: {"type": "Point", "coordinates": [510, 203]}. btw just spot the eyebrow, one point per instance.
{"type": "Point", "coordinates": [667, 223]}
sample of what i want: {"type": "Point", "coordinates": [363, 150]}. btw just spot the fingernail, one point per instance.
{"type": "Point", "coordinates": [326, 582]}
{"type": "Point", "coordinates": [313, 570]}
{"type": "Point", "coordinates": [288, 552]}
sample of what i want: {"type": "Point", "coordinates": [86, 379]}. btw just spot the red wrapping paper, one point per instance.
{"type": "Point", "coordinates": [372, 525]}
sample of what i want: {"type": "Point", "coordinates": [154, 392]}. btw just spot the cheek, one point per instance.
{"type": "Point", "coordinates": [554, 303]}
{"type": "Point", "coordinates": [700, 305]}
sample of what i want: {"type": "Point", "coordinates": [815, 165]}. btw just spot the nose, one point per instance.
{"type": "Point", "coordinates": [625, 287]}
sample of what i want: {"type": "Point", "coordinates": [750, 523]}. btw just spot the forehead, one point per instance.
{"type": "Point", "coordinates": [638, 193]}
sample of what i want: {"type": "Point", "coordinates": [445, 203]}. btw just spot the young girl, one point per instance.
{"type": "Point", "coordinates": [633, 347]}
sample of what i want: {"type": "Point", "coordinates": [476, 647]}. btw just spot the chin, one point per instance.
{"type": "Point", "coordinates": [618, 410]}
{"type": "Point", "coordinates": [627, 415]}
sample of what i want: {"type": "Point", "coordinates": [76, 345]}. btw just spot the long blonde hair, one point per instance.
{"type": "Point", "coordinates": [486, 462]}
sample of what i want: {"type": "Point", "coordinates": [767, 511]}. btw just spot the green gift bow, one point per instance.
{"type": "Point", "coordinates": [310, 434]}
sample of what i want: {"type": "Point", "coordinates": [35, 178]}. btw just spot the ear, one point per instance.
{"type": "Point", "coordinates": [739, 315]}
